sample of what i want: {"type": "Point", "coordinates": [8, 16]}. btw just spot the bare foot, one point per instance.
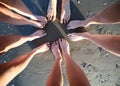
{"type": "Point", "coordinates": [38, 34]}
{"type": "Point", "coordinates": [76, 36]}
{"type": "Point", "coordinates": [39, 19]}
{"type": "Point", "coordinates": [65, 12]}
{"type": "Point", "coordinates": [42, 48]}
{"type": "Point", "coordinates": [76, 23]}
{"type": "Point", "coordinates": [64, 47]}
{"type": "Point", "coordinates": [56, 50]}
{"type": "Point", "coordinates": [37, 23]}
{"type": "Point", "coordinates": [51, 11]}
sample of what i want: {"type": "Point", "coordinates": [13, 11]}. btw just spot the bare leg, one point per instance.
{"type": "Point", "coordinates": [55, 77]}
{"type": "Point", "coordinates": [11, 41]}
{"type": "Point", "coordinates": [65, 11]}
{"type": "Point", "coordinates": [8, 16]}
{"type": "Point", "coordinates": [110, 43]}
{"type": "Point", "coordinates": [11, 69]}
{"type": "Point", "coordinates": [51, 11]}
{"type": "Point", "coordinates": [21, 8]}
{"type": "Point", "coordinates": [110, 15]}
{"type": "Point", "coordinates": [75, 74]}
{"type": "Point", "coordinates": [20, 21]}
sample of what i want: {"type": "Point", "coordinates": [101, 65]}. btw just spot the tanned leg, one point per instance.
{"type": "Point", "coordinates": [11, 41]}
{"type": "Point", "coordinates": [11, 69]}
{"type": "Point", "coordinates": [21, 8]}
{"type": "Point", "coordinates": [55, 78]}
{"type": "Point", "coordinates": [108, 42]}
{"type": "Point", "coordinates": [109, 15]}
{"type": "Point", "coordinates": [65, 11]}
{"type": "Point", "coordinates": [75, 74]}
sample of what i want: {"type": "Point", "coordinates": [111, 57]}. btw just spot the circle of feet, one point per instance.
{"type": "Point", "coordinates": [53, 17]}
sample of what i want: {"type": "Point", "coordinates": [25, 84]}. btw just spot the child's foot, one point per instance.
{"type": "Point", "coordinates": [38, 34]}
{"type": "Point", "coordinates": [51, 11]}
{"type": "Point", "coordinates": [64, 47]}
{"type": "Point", "coordinates": [65, 12]}
{"type": "Point", "coordinates": [56, 51]}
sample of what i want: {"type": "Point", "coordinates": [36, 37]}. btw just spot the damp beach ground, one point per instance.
{"type": "Point", "coordinates": [101, 67]}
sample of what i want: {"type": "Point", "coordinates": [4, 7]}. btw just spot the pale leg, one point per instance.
{"type": "Point", "coordinates": [55, 78]}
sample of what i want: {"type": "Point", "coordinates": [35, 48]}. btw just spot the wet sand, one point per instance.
{"type": "Point", "coordinates": [101, 67]}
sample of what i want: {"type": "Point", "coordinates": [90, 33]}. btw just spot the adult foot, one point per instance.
{"type": "Point", "coordinates": [65, 12]}
{"type": "Point", "coordinates": [51, 11]}
{"type": "Point", "coordinates": [38, 34]}
{"type": "Point", "coordinates": [56, 51]}
{"type": "Point", "coordinates": [39, 19]}
{"type": "Point", "coordinates": [42, 48]}
{"type": "Point", "coordinates": [76, 23]}
{"type": "Point", "coordinates": [64, 47]}
{"type": "Point", "coordinates": [37, 23]}
{"type": "Point", "coordinates": [77, 36]}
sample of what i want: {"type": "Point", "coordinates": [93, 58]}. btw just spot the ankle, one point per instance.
{"type": "Point", "coordinates": [66, 55]}
{"type": "Point", "coordinates": [53, 3]}
{"type": "Point", "coordinates": [31, 38]}
{"type": "Point", "coordinates": [86, 22]}
{"type": "Point", "coordinates": [85, 34]}
{"type": "Point", "coordinates": [34, 51]}
{"type": "Point", "coordinates": [91, 20]}
{"type": "Point", "coordinates": [59, 59]}
{"type": "Point", "coordinates": [31, 22]}
{"type": "Point", "coordinates": [88, 36]}
{"type": "Point", "coordinates": [65, 3]}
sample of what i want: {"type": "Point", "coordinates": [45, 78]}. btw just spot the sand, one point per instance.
{"type": "Point", "coordinates": [101, 67]}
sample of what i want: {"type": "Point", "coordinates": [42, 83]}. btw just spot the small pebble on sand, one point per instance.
{"type": "Point", "coordinates": [105, 3]}
{"type": "Point", "coordinates": [5, 61]}
{"type": "Point", "coordinates": [12, 85]}
{"type": "Point", "coordinates": [78, 1]}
